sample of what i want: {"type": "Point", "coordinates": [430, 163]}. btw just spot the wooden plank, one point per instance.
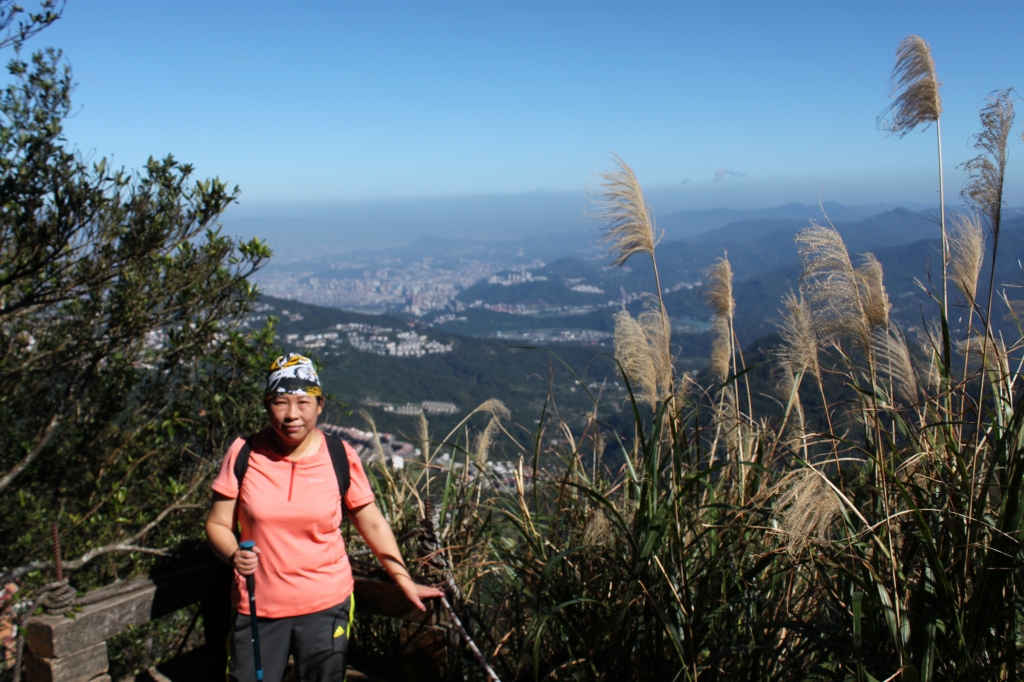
{"type": "Point", "coordinates": [58, 636]}
{"type": "Point", "coordinates": [81, 666]}
{"type": "Point", "coordinates": [385, 598]}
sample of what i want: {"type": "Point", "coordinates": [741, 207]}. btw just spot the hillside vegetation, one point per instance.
{"type": "Point", "coordinates": [834, 491]}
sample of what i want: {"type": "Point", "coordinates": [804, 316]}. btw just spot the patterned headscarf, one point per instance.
{"type": "Point", "coordinates": [292, 374]}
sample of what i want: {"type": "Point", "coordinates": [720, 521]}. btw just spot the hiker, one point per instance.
{"type": "Point", "coordinates": [285, 488]}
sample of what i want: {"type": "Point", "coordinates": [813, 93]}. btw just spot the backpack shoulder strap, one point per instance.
{"type": "Point", "coordinates": [242, 463]}
{"type": "Point", "coordinates": [241, 466]}
{"type": "Point", "coordinates": [339, 458]}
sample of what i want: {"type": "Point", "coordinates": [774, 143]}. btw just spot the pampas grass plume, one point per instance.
{"type": "Point", "coordinates": [629, 226]}
{"type": "Point", "coordinates": [486, 439]}
{"type": "Point", "coordinates": [914, 87]}
{"type": "Point", "coordinates": [830, 286]}
{"type": "Point", "coordinates": [805, 508]}
{"type": "Point", "coordinates": [967, 251]}
{"type": "Point", "coordinates": [874, 299]}
{"type": "Point", "coordinates": [984, 187]}
{"type": "Point", "coordinates": [799, 352]}
{"type": "Point", "coordinates": [718, 293]}
{"type": "Point", "coordinates": [642, 348]}
{"type": "Point", "coordinates": [718, 363]}
{"type": "Point", "coordinates": [893, 358]}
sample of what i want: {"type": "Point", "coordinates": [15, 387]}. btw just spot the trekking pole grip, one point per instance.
{"type": "Point", "coordinates": [250, 580]}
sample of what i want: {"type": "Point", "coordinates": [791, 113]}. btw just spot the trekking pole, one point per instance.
{"type": "Point", "coordinates": [250, 586]}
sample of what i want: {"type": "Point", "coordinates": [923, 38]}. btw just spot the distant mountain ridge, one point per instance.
{"type": "Point", "coordinates": [687, 224]}
{"type": "Point", "coordinates": [755, 248]}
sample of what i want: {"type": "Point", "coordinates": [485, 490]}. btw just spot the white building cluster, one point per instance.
{"type": "Point", "coordinates": [372, 339]}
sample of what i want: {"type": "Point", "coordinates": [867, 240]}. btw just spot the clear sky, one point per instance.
{"type": "Point", "coordinates": [738, 104]}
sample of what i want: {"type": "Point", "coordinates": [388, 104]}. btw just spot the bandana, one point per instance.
{"type": "Point", "coordinates": [292, 374]}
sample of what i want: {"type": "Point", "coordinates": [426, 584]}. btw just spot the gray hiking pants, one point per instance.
{"type": "Point", "coordinates": [318, 641]}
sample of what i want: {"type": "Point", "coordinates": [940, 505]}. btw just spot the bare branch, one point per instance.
{"type": "Point", "coordinates": [51, 428]}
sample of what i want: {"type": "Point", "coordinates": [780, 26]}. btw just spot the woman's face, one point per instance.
{"type": "Point", "coordinates": [294, 417]}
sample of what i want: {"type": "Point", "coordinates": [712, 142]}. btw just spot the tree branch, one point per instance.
{"type": "Point", "coordinates": [48, 432]}
{"type": "Point", "coordinates": [123, 545]}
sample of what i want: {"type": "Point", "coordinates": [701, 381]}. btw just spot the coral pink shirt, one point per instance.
{"type": "Point", "coordinates": [292, 510]}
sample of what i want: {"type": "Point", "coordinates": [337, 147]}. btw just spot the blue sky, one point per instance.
{"type": "Point", "coordinates": [313, 103]}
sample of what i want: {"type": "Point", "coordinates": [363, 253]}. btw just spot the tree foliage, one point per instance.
{"type": "Point", "coordinates": [125, 363]}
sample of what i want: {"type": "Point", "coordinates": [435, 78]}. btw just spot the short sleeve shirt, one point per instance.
{"type": "Point", "coordinates": [292, 510]}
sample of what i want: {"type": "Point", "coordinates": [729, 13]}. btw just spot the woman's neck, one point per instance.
{"type": "Point", "coordinates": [295, 451]}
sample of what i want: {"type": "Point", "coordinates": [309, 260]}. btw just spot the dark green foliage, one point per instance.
{"type": "Point", "coordinates": [123, 373]}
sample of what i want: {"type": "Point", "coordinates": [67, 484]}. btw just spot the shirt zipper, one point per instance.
{"type": "Point", "coordinates": [291, 482]}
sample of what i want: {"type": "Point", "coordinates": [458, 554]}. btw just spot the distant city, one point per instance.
{"type": "Point", "coordinates": [420, 289]}
{"type": "Point", "coordinates": [416, 288]}
{"type": "Point", "coordinates": [370, 339]}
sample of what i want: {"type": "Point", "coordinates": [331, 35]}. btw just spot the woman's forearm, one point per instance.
{"type": "Point", "coordinates": [374, 529]}
{"type": "Point", "coordinates": [222, 541]}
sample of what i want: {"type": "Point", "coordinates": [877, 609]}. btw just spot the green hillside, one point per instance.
{"type": "Point", "coordinates": [476, 370]}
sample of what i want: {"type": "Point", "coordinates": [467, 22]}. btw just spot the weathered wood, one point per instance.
{"type": "Point", "coordinates": [58, 644]}
{"type": "Point", "coordinates": [384, 598]}
{"type": "Point", "coordinates": [58, 636]}
{"type": "Point", "coordinates": [81, 666]}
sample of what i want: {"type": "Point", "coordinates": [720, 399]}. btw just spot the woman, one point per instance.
{"type": "Point", "coordinates": [289, 503]}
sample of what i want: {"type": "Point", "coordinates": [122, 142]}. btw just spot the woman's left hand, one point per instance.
{"type": "Point", "coordinates": [416, 593]}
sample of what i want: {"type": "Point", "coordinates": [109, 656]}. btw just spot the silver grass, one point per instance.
{"type": "Point", "coordinates": [486, 439]}
{"type": "Point", "coordinates": [629, 225]}
{"type": "Point", "coordinates": [805, 509]}
{"type": "Point", "coordinates": [423, 433]}
{"type": "Point", "coordinates": [728, 417]}
{"type": "Point", "coordinates": [914, 87]}
{"type": "Point", "coordinates": [721, 349]}
{"type": "Point", "coordinates": [799, 351]}
{"type": "Point", "coordinates": [967, 250]}
{"type": "Point", "coordinates": [927, 341]}
{"type": "Point", "coordinates": [495, 408]}
{"type": "Point", "coordinates": [892, 358]}
{"type": "Point", "coordinates": [874, 299]}
{"type": "Point", "coordinates": [598, 531]}
{"type": "Point", "coordinates": [718, 292]}
{"type": "Point", "coordinates": [642, 347]}
{"type": "Point", "coordinates": [793, 436]}
{"type": "Point", "coordinates": [830, 286]}
{"type": "Point", "coordinates": [984, 187]}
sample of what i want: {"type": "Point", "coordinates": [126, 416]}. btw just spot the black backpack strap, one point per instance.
{"type": "Point", "coordinates": [339, 458]}
{"type": "Point", "coordinates": [241, 466]}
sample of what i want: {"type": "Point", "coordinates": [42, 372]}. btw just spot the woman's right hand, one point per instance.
{"type": "Point", "coordinates": [245, 561]}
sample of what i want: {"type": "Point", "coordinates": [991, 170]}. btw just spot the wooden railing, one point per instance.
{"type": "Point", "coordinates": [66, 649]}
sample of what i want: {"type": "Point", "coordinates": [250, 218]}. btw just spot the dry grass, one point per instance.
{"type": "Point", "coordinates": [485, 440]}
{"type": "Point", "coordinates": [718, 290]}
{"type": "Point", "coordinates": [984, 187]}
{"type": "Point", "coordinates": [719, 363]}
{"type": "Point", "coordinates": [915, 88]}
{"type": "Point", "coordinates": [642, 347]}
{"type": "Point", "coordinates": [799, 352]}
{"type": "Point", "coordinates": [967, 251]}
{"type": "Point", "coordinates": [873, 297]}
{"type": "Point", "coordinates": [805, 510]}
{"type": "Point", "coordinates": [620, 204]}
{"type": "Point", "coordinates": [892, 358]}
{"type": "Point", "coordinates": [831, 287]}
{"type": "Point", "coordinates": [598, 531]}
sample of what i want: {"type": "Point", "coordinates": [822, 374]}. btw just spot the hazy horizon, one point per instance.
{"type": "Point", "coordinates": [297, 228]}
